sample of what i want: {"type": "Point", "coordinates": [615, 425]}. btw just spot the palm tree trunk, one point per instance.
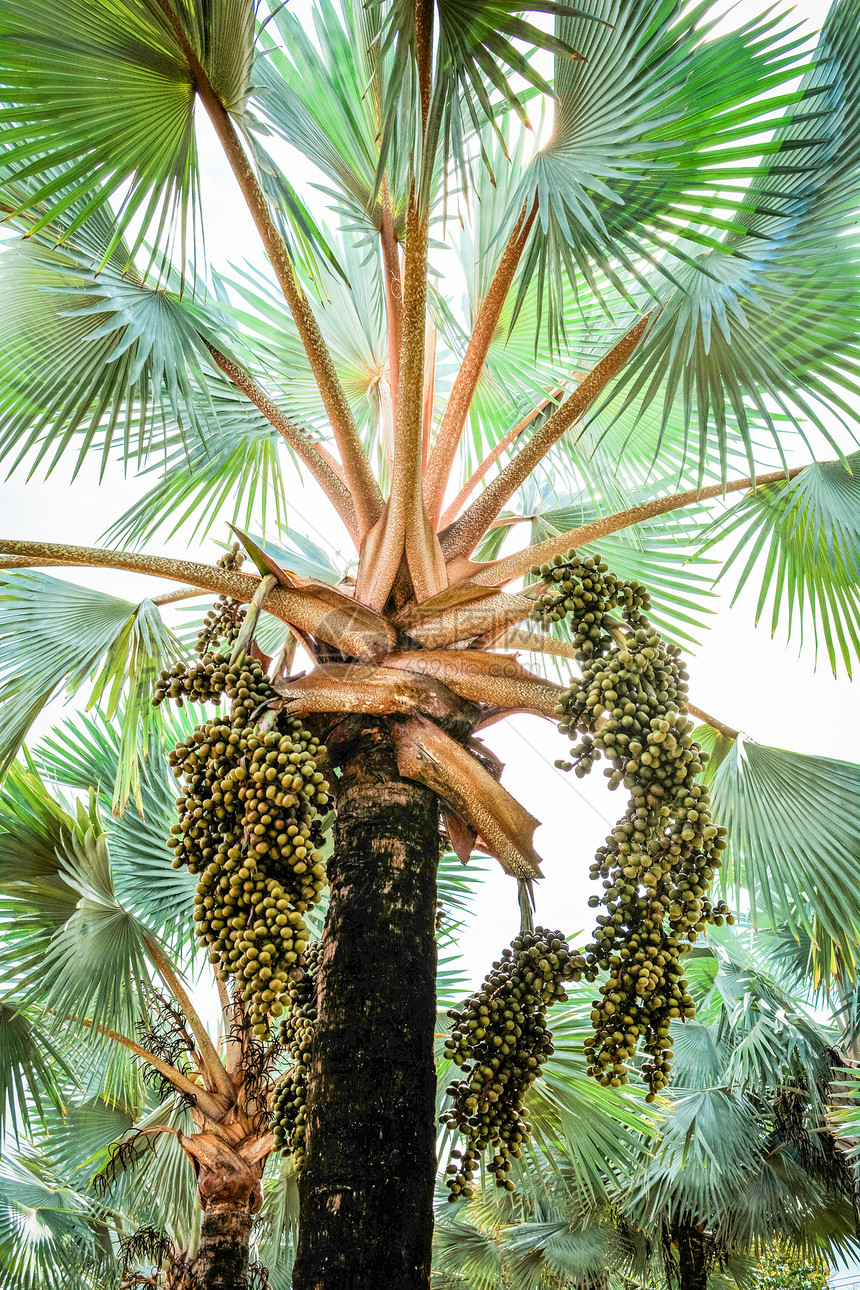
{"type": "Point", "coordinates": [229, 1191]}
{"type": "Point", "coordinates": [692, 1263]}
{"type": "Point", "coordinates": [222, 1259]}
{"type": "Point", "coordinates": [366, 1192]}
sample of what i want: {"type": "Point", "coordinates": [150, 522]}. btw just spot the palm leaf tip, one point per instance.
{"type": "Point", "coordinates": [808, 529]}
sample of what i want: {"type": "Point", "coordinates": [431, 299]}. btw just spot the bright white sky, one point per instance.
{"type": "Point", "coordinates": [738, 674]}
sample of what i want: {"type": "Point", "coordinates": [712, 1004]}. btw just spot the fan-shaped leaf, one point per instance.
{"type": "Point", "coordinates": [53, 631]}
{"type": "Point", "coordinates": [84, 754]}
{"type": "Point", "coordinates": [31, 1069]}
{"type": "Point", "coordinates": [648, 131]}
{"type": "Point", "coordinates": [70, 946]}
{"type": "Point", "coordinates": [98, 360]}
{"type": "Point", "coordinates": [766, 321]}
{"type": "Point", "coordinates": [794, 841]}
{"type": "Point", "coordinates": [801, 538]}
{"type": "Point", "coordinates": [49, 1234]}
{"type": "Point", "coordinates": [108, 95]}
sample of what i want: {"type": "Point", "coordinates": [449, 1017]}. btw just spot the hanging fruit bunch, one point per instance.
{"type": "Point", "coordinates": [296, 1034]}
{"type": "Point", "coordinates": [251, 806]}
{"type": "Point", "coordinates": [658, 863]}
{"type": "Point", "coordinates": [224, 621]}
{"type": "Point", "coordinates": [500, 1039]}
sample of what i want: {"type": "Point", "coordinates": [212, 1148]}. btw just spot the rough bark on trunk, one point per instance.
{"type": "Point", "coordinates": [222, 1261]}
{"type": "Point", "coordinates": [230, 1192]}
{"type": "Point", "coordinates": [692, 1263]}
{"type": "Point", "coordinates": [366, 1192]}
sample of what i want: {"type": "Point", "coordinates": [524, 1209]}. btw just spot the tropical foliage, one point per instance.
{"type": "Point", "coordinates": [605, 330]}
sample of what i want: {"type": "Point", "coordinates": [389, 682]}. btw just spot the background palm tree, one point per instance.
{"type": "Point", "coordinates": [659, 304]}
{"type": "Point", "coordinates": [745, 1156]}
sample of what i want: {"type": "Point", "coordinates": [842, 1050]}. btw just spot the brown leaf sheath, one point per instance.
{"type": "Point", "coordinates": [425, 753]}
{"type": "Point", "coordinates": [497, 680]}
{"type": "Point", "coordinates": [464, 534]}
{"type": "Point", "coordinates": [346, 687]}
{"type": "Point", "coordinates": [464, 622]}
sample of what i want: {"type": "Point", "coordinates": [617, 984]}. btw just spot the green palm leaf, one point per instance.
{"type": "Point", "coordinates": [801, 539]}
{"type": "Point", "coordinates": [79, 1141]}
{"type": "Point", "coordinates": [32, 1069]}
{"type": "Point", "coordinates": [279, 1222]}
{"type": "Point", "coordinates": [600, 1133]}
{"type": "Point", "coordinates": [98, 359]}
{"type": "Point", "coordinates": [108, 94]}
{"type": "Point", "coordinates": [794, 842]}
{"type": "Point", "coordinates": [717, 746]}
{"type": "Point", "coordinates": [710, 1146]}
{"type": "Point", "coordinates": [85, 755]}
{"type": "Point", "coordinates": [476, 65]}
{"type": "Point", "coordinates": [160, 1186]}
{"type": "Point", "coordinates": [764, 324]}
{"type": "Point", "coordinates": [551, 1248]}
{"type": "Point", "coordinates": [648, 132]}
{"type": "Point", "coordinates": [300, 555]}
{"type": "Point", "coordinates": [324, 96]}
{"type": "Point", "coordinates": [234, 474]}
{"type": "Point", "coordinates": [54, 631]}
{"type": "Point", "coordinates": [70, 947]}
{"type": "Point", "coordinates": [352, 322]}
{"type": "Point", "coordinates": [474, 1255]}
{"type": "Point", "coordinates": [49, 1234]}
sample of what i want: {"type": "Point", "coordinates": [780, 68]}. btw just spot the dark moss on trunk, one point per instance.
{"type": "Point", "coordinates": [222, 1260]}
{"type": "Point", "coordinates": [367, 1187]}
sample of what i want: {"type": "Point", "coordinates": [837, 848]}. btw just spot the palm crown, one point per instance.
{"type": "Point", "coordinates": [653, 309]}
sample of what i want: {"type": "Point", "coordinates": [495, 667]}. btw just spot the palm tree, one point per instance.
{"type": "Point", "coordinates": [101, 1036]}
{"type": "Point", "coordinates": [659, 307]}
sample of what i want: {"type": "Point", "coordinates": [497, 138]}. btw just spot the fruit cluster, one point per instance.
{"type": "Point", "coordinates": [222, 624]}
{"type": "Point", "coordinates": [658, 863]}
{"type": "Point", "coordinates": [249, 825]}
{"type": "Point", "coordinates": [211, 679]}
{"type": "Point", "coordinates": [500, 1038]}
{"type": "Point", "coordinates": [296, 1035]}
